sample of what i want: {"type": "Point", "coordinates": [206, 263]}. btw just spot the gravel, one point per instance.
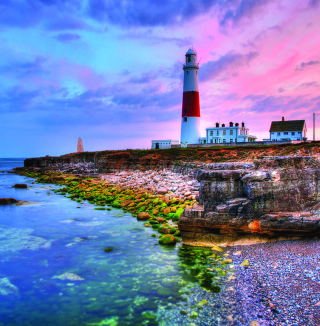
{"type": "Point", "coordinates": [280, 287]}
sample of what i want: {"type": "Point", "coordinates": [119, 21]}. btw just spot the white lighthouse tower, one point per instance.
{"type": "Point", "coordinates": [190, 122]}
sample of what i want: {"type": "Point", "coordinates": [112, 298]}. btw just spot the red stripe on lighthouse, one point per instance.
{"type": "Point", "coordinates": [191, 104]}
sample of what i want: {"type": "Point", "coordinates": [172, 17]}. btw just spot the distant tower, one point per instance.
{"type": "Point", "coordinates": [80, 146]}
{"type": "Point", "coordinates": [190, 123]}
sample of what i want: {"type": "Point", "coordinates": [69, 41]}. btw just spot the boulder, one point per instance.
{"type": "Point", "coordinates": [143, 216]}
{"type": "Point", "coordinates": [4, 201]}
{"type": "Point", "coordinates": [167, 239]}
{"type": "Point", "coordinates": [20, 185]}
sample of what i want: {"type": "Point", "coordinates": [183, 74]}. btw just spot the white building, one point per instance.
{"type": "Point", "coordinates": [288, 130]}
{"type": "Point", "coordinates": [164, 143]}
{"type": "Point", "coordinates": [232, 134]}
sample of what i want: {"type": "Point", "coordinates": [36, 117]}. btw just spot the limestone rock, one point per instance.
{"type": "Point", "coordinates": [277, 199]}
{"type": "Point", "coordinates": [143, 216]}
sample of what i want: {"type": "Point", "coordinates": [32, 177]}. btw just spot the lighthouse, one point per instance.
{"type": "Point", "coordinates": [190, 121]}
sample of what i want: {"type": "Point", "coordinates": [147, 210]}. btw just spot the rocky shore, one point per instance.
{"type": "Point", "coordinates": [277, 199]}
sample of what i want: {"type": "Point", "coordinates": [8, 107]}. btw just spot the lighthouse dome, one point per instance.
{"type": "Point", "coordinates": [190, 51]}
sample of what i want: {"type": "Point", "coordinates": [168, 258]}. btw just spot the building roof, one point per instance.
{"type": "Point", "coordinates": [190, 51]}
{"type": "Point", "coordinates": [290, 125]}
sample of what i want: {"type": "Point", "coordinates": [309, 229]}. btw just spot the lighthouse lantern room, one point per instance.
{"type": "Point", "coordinates": [190, 121]}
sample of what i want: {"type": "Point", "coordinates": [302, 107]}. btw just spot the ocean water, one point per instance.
{"type": "Point", "coordinates": [54, 270]}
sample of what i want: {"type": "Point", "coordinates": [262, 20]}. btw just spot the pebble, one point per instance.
{"type": "Point", "coordinates": [164, 182]}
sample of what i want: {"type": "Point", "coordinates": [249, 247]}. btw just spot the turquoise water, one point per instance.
{"type": "Point", "coordinates": [54, 270]}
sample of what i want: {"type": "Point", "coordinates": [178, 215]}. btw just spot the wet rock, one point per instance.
{"type": "Point", "coordinates": [216, 248]}
{"type": "Point", "coordinates": [108, 249]}
{"type": "Point", "coordinates": [69, 276]}
{"type": "Point", "coordinates": [4, 201]}
{"type": "Point", "coordinates": [167, 239]}
{"type": "Point", "coordinates": [143, 216]}
{"type": "Point", "coordinates": [245, 263]}
{"type": "Point", "coordinates": [20, 185]}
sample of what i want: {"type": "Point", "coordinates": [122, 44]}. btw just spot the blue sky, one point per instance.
{"type": "Point", "coordinates": [110, 71]}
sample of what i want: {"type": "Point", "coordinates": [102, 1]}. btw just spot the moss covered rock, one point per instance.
{"type": "Point", "coordinates": [167, 239]}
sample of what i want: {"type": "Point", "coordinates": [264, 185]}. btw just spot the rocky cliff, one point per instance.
{"type": "Point", "coordinates": [277, 198]}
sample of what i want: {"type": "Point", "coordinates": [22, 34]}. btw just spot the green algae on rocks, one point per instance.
{"type": "Point", "coordinates": [158, 210]}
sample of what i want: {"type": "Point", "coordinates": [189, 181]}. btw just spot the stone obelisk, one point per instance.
{"type": "Point", "coordinates": [80, 146]}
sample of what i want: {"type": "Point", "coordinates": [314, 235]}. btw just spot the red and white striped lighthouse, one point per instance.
{"type": "Point", "coordinates": [190, 123]}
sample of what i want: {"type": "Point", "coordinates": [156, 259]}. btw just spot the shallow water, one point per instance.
{"type": "Point", "coordinates": [54, 270]}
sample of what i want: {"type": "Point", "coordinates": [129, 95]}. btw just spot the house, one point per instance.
{"type": "Point", "coordinates": [288, 130]}
{"type": "Point", "coordinates": [162, 144]}
{"type": "Point", "coordinates": [232, 134]}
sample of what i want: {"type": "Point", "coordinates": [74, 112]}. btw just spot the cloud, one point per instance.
{"type": "Point", "coordinates": [144, 78]}
{"type": "Point", "coordinates": [261, 36]}
{"type": "Point", "coordinates": [149, 38]}
{"type": "Point", "coordinates": [303, 65]}
{"type": "Point", "coordinates": [147, 13]}
{"type": "Point", "coordinates": [25, 68]}
{"type": "Point", "coordinates": [242, 9]}
{"type": "Point", "coordinates": [227, 64]}
{"type": "Point", "coordinates": [314, 3]}
{"type": "Point", "coordinates": [281, 90]}
{"type": "Point", "coordinates": [265, 104]}
{"type": "Point", "coordinates": [67, 37]}
{"type": "Point", "coordinates": [309, 84]}
{"type": "Point", "coordinates": [66, 23]}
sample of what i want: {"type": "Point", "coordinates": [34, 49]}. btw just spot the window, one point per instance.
{"type": "Point", "coordinates": [224, 140]}
{"type": "Point", "coordinates": [299, 132]}
{"type": "Point", "coordinates": [223, 132]}
{"type": "Point", "coordinates": [231, 132]}
{"type": "Point", "coordinates": [231, 140]}
{"type": "Point", "coordinates": [185, 119]}
{"type": "Point", "coordinates": [217, 132]}
{"type": "Point", "coordinates": [211, 132]}
{"type": "Point", "coordinates": [293, 133]}
{"type": "Point", "coordinates": [278, 133]}
{"type": "Point", "coordinates": [285, 133]}
{"type": "Point", "coordinates": [246, 132]}
{"type": "Point", "coordinates": [211, 141]}
{"type": "Point", "coordinates": [204, 141]}
{"type": "Point", "coordinates": [187, 72]}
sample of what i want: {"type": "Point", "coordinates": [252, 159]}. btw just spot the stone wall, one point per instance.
{"type": "Point", "coordinates": [277, 198]}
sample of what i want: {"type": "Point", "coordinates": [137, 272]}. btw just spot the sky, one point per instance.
{"type": "Point", "coordinates": [110, 71]}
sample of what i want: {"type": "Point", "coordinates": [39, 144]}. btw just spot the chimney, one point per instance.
{"type": "Point", "coordinates": [237, 124]}
{"type": "Point", "coordinates": [282, 118]}
{"type": "Point", "coordinates": [223, 125]}
{"type": "Point", "coordinates": [217, 124]}
{"type": "Point", "coordinates": [231, 124]}
{"type": "Point", "coordinates": [243, 125]}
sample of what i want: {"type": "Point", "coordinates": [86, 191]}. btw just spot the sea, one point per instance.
{"type": "Point", "coordinates": [54, 270]}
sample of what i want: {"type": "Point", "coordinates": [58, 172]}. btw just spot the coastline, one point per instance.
{"type": "Point", "coordinates": [256, 295]}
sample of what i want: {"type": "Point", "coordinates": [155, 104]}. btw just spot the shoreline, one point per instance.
{"type": "Point", "coordinates": [258, 300]}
